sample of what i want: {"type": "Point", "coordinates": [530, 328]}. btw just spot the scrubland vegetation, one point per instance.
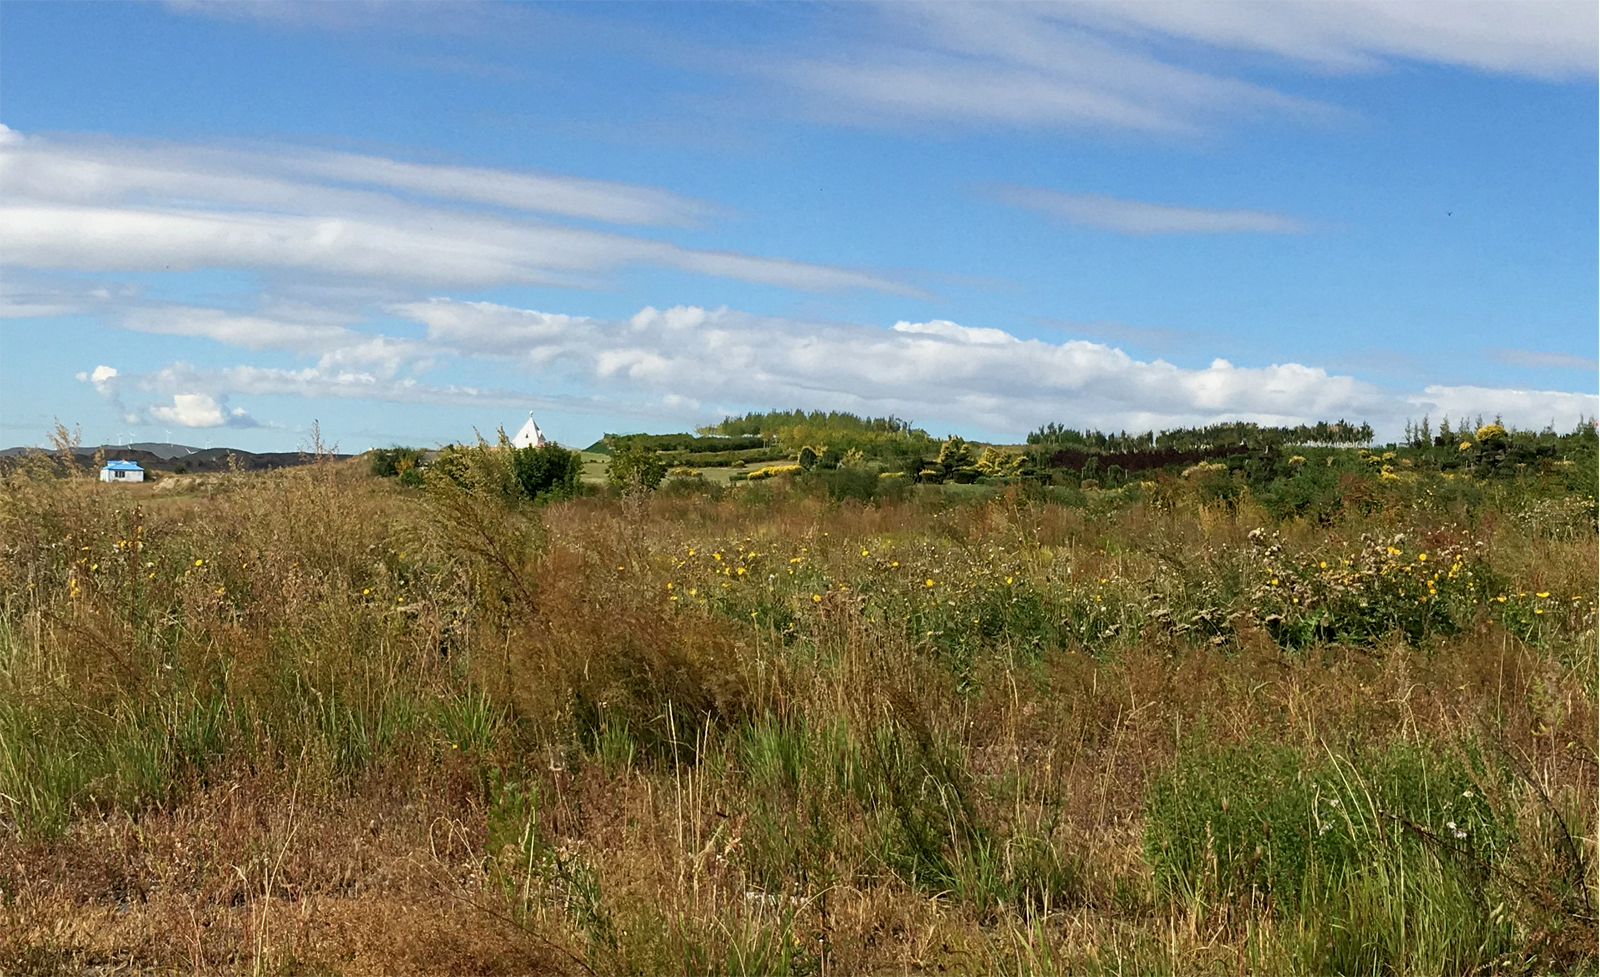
{"type": "Point", "coordinates": [1300, 711]}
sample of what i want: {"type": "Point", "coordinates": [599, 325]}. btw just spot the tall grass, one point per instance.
{"type": "Point", "coordinates": [310, 720]}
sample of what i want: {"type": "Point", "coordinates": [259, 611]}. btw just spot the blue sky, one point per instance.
{"type": "Point", "coordinates": [221, 222]}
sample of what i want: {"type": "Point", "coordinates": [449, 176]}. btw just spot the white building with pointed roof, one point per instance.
{"type": "Point", "coordinates": [530, 436]}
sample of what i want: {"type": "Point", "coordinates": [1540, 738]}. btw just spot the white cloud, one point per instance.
{"type": "Point", "coordinates": [185, 207]}
{"type": "Point", "coordinates": [302, 178]}
{"type": "Point", "coordinates": [938, 371]}
{"type": "Point", "coordinates": [1542, 40]}
{"type": "Point", "coordinates": [405, 15]}
{"type": "Point", "coordinates": [1520, 408]}
{"type": "Point", "coordinates": [688, 363]}
{"type": "Point", "coordinates": [200, 410]}
{"type": "Point", "coordinates": [1141, 217]}
{"type": "Point", "coordinates": [298, 329]}
{"type": "Point", "coordinates": [1154, 66]}
{"type": "Point", "coordinates": [1542, 360]}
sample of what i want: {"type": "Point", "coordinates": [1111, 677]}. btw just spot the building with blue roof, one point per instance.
{"type": "Point", "coordinates": [122, 471]}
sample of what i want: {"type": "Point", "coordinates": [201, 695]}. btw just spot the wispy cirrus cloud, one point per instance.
{"type": "Point", "coordinates": [1141, 217]}
{"type": "Point", "coordinates": [352, 15]}
{"type": "Point", "coordinates": [182, 207]}
{"type": "Point", "coordinates": [1544, 360]}
{"type": "Point", "coordinates": [1152, 66]}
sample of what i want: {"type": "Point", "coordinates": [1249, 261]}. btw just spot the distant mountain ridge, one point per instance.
{"type": "Point", "coordinates": [166, 457]}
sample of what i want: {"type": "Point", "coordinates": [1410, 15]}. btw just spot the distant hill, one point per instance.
{"type": "Point", "coordinates": [161, 456]}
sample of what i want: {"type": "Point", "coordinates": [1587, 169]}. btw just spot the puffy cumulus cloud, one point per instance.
{"type": "Point", "coordinates": [935, 370]}
{"type": "Point", "coordinates": [1141, 217]}
{"type": "Point", "coordinates": [189, 407]}
{"type": "Point", "coordinates": [134, 206]}
{"type": "Point", "coordinates": [1519, 408]}
{"type": "Point", "coordinates": [691, 363]}
{"type": "Point", "coordinates": [200, 410]}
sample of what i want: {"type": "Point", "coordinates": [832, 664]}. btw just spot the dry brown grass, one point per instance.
{"type": "Point", "coordinates": [306, 723]}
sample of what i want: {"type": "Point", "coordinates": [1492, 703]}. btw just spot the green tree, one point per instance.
{"type": "Point", "coordinates": [548, 472]}
{"type": "Point", "coordinates": [634, 465]}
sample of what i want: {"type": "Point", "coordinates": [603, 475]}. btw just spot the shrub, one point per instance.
{"type": "Point", "coordinates": [633, 466]}
{"type": "Point", "coordinates": [394, 461]}
{"type": "Point", "coordinates": [548, 472]}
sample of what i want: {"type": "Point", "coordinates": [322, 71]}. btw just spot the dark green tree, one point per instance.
{"type": "Point", "coordinates": [547, 472]}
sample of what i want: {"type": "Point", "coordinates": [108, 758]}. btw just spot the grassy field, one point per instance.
{"type": "Point", "coordinates": [313, 722]}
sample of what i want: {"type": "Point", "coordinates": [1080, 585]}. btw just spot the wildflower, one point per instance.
{"type": "Point", "coordinates": [896, 563]}
{"type": "Point", "coordinates": [365, 591]}
{"type": "Point", "coordinates": [928, 582]}
{"type": "Point", "coordinates": [1274, 581]}
{"type": "Point", "coordinates": [863, 552]}
{"type": "Point", "coordinates": [94, 566]}
{"type": "Point", "coordinates": [196, 563]}
{"type": "Point", "coordinates": [1008, 580]}
{"type": "Point", "coordinates": [1542, 594]}
{"type": "Point", "coordinates": [717, 557]}
{"type": "Point", "coordinates": [741, 571]}
{"type": "Point", "coordinates": [816, 598]}
{"type": "Point", "coordinates": [1422, 557]}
